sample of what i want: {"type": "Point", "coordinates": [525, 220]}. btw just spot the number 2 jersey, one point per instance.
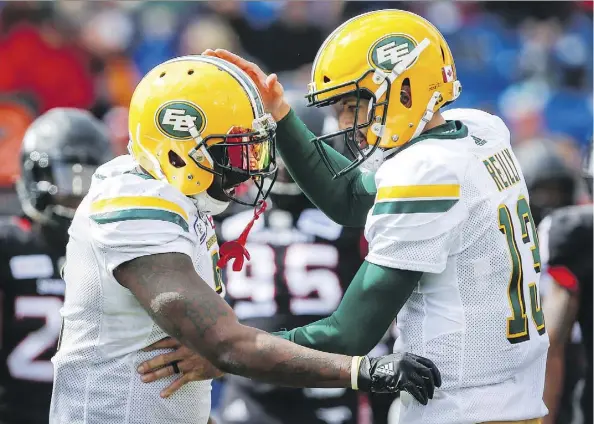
{"type": "Point", "coordinates": [125, 215]}
{"type": "Point", "coordinates": [31, 294]}
{"type": "Point", "coordinates": [453, 204]}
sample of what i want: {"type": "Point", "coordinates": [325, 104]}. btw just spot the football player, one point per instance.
{"type": "Point", "coordinates": [566, 240]}
{"type": "Point", "coordinates": [143, 261]}
{"type": "Point", "coordinates": [294, 242]}
{"type": "Point", "coordinates": [453, 248]}
{"type": "Point", "coordinates": [60, 152]}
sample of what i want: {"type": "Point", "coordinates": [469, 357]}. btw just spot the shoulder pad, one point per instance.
{"type": "Point", "coordinates": [131, 196]}
{"type": "Point", "coordinates": [480, 123]}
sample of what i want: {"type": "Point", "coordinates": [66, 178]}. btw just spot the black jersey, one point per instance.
{"type": "Point", "coordinates": [567, 240]}
{"type": "Point", "coordinates": [31, 295]}
{"type": "Point", "coordinates": [301, 263]}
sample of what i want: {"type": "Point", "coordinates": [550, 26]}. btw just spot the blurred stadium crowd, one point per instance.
{"type": "Point", "coordinates": [530, 63]}
{"type": "Point", "coordinates": [526, 63]}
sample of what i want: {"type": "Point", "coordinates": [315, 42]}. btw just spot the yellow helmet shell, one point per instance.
{"type": "Point", "coordinates": [362, 53]}
{"type": "Point", "coordinates": [181, 102]}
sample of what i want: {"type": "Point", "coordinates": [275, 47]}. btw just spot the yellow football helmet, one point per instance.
{"type": "Point", "coordinates": [199, 123]}
{"type": "Point", "coordinates": [372, 56]}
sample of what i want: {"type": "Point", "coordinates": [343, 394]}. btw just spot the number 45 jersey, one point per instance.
{"type": "Point", "coordinates": [453, 204]}
{"type": "Point", "coordinates": [300, 264]}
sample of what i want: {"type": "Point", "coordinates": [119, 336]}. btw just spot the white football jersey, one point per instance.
{"type": "Point", "coordinates": [125, 215]}
{"type": "Point", "coordinates": [453, 204]}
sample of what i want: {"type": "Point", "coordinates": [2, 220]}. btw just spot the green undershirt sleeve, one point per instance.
{"type": "Point", "coordinates": [345, 200]}
{"type": "Point", "coordinates": [368, 308]}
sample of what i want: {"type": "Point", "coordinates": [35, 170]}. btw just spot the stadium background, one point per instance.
{"type": "Point", "coordinates": [529, 62]}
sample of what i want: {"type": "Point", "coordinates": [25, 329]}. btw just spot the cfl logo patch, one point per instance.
{"type": "Point", "coordinates": [178, 119]}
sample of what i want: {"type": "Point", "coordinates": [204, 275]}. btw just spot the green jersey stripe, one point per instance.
{"type": "Point", "coordinates": [414, 206]}
{"type": "Point", "coordinates": [140, 174]}
{"type": "Point", "coordinates": [137, 214]}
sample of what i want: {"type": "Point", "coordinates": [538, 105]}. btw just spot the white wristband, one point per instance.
{"type": "Point", "coordinates": [355, 363]}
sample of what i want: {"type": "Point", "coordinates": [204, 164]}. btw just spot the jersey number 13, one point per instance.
{"type": "Point", "coordinates": [517, 323]}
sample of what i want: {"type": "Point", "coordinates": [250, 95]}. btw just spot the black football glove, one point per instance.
{"type": "Point", "coordinates": [399, 372]}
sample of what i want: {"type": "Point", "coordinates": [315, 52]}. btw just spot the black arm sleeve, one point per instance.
{"type": "Point", "coordinates": [370, 304]}
{"type": "Point", "coordinates": [345, 200]}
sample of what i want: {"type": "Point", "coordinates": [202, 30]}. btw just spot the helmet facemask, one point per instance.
{"type": "Point", "coordinates": [376, 119]}
{"type": "Point", "coordinates": [237, 157]}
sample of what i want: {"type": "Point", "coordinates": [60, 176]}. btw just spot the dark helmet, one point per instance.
{"type": "Point", "coordinates": [60, 152]}
{"type": "Point", "coordinates": [551, 182]}
{"type": "Point", "coordinates": [285, 193]}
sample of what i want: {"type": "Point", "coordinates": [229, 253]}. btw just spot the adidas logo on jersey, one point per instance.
{"type": "Point", "coordinates": [387, 369]}
{"type": "Point", "coordinates": [479, 141]}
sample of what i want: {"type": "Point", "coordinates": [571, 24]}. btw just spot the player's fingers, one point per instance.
{"type": "Point", "coordinates": [271, 80]}
{"type": "Point", "coordinates": [434, 370]}
{"type": "Point", "coordinates": [157, 374]}
{"type": "Point", "coordinates": [424, 378]}
{"type": "Point", "coordinates": [175, 386]}
{"type": "Point", "coordinates": [166, 343]}
{"type": "Point", "coordinates": [209, 52]}
{"type": "Point", "coordinates": [416, 392]}
{"type": "Point", "coordinates": [161, 361]}
{"type": "Point", "coordinates": [274, 85]}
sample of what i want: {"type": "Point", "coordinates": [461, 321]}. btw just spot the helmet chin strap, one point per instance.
{"type": "Point", "coordinates": [208, 204]}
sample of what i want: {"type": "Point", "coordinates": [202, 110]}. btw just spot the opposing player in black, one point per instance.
{"type": "Point", "coordinates": [299, 266]}
{"type": "Point", "coordinates": [60, 152]}
{"type": "Point", "coordinates": [566, 250]}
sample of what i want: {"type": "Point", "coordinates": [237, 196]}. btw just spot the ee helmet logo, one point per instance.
{"type": "Point", "coordinates": [389, 50]}
{"type": "Point", "coordinates": [174, 119]}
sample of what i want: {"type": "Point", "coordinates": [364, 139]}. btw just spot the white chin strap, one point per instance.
{"type": "Point", "coordinates": [209, 205]}
{"type": "Point", "coordinates": [427, 115]}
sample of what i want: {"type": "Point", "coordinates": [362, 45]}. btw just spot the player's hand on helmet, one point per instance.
{"type": "Point", "coordinates": [182, 361]}
{"type": "Point", "coordinates": [398, 372]}
{"type": "Point", "coordinates": [270, 88]}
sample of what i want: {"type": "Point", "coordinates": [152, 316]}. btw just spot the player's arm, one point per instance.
{"type": "Point", "coordinates": [345, 200]}
{"type": "Point", "coordinates": [368, 308]}
{"type": "Point", "coordinates": [560, 308]}
{"type": "Point", "coordinates": [181, 303]}
{"type": "Point", "coordinates": [412, 227]}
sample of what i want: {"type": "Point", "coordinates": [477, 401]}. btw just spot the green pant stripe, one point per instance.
{"type": "Point", "coordinates": [136, 214]}
{"type": "Point", "coordinates": [414, 206]}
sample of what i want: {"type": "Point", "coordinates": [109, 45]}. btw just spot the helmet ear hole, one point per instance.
{"type": "Point", "coordinates": [406, 94]}
{"type": "Point", "coordinates": [326, 79]}
{"type": "Point", "coordinates": [175, 160]}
